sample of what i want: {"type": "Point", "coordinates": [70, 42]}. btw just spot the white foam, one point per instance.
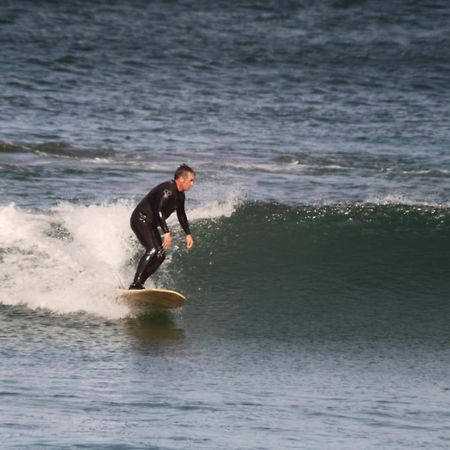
{"type": "Point", "coordinates": [216, 209]}
{"type": "Point", "coordinates": [67, 260]}
{"type": "Point", "coordinates": [392, 199]}
{"type": "Point", "coordinates": [72, 258]}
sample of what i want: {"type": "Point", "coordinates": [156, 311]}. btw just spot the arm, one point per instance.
{"type": "Point", "coordinates": [167, 241]}
{"type": "Point", "coordinates": [166, 194]}
{"type": "Point", "coordinates": [182, 218]}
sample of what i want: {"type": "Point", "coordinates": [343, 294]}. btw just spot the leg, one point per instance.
{"type": "Point", "coordinates": [154, 255]}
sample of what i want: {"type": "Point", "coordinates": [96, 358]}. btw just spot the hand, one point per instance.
{"type": "Point", "coordinates": [189, 241]}
{"type": "Point", "coordinates": [167, 242]}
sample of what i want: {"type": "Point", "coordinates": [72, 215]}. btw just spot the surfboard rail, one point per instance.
{"type": "Point", "coordinates": [155, 297]}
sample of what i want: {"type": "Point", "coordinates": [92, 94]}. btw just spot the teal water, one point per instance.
{"type": "Point", "coordinates": [320, 339]}
{"type": "Point", "coordinates": [318, 288]}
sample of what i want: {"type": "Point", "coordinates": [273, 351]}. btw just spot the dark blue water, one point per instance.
{"type": "Point", "coordinates": [318, 288]}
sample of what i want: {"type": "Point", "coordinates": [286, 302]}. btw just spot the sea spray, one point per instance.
{"type": "Point", "coordinates": [66, 259]}
{"type": "Point", "coordinates": [73, 257]}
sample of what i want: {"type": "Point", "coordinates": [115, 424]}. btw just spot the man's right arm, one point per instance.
{"type": "Point", "coordinates": [165, 196]}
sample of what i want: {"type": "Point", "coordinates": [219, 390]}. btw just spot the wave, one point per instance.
{"type": "Point", "coordinates": [342, 161]}
{"type": "Point", "coordinates": [71, 258]}
{"type": "Point", "coordinates": [286, 163]}
{"type": "Point", "coordinates": [56, 149]}
{"type": "Point", "coordinates": [65, 259]}
{"type": "Point", "coordinates": [278, 255]}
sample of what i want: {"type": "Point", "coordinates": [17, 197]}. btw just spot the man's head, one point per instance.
{"type": "Point", "coordinates": [184, 177]}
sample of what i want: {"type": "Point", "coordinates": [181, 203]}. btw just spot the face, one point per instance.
{"type": "Point", "coordinates": [187, 182]}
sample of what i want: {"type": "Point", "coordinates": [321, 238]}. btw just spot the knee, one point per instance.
{"type": "Point", "coordinates": [156, 253]}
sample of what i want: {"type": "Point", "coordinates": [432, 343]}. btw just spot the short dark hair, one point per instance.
{"type": "Point", "coordinates": [183, 170]}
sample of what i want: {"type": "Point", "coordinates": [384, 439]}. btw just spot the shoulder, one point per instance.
{"type": "Point", "coordinates": [167, 189]}
{"type": "Point", "coordinates": [165, 185]}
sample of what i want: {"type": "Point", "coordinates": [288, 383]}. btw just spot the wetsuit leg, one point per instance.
{"type": "Point", "coordinates": [154, 255]}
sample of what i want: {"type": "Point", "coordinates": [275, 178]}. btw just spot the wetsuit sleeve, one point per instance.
{"type": "Point", "coordinates": [182, 218]}
{"type": "Point", "coordinates": [162, 202]}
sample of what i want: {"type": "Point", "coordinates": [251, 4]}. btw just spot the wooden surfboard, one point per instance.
{"type": "Point", "coordinates": [156, 298]}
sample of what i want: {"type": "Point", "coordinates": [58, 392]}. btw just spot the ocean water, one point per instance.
{"type": "Point", "coordinates": [318, 287]}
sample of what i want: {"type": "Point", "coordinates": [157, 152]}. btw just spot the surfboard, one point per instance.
{"type": "Point", "coordinates": [156, 298]}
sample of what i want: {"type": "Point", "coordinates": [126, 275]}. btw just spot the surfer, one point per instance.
{"type": "Point", "coordinates": [151, 213]}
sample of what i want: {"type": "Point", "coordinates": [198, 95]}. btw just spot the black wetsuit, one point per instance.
{"type": "Point", "coordinates": [151, 213]}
